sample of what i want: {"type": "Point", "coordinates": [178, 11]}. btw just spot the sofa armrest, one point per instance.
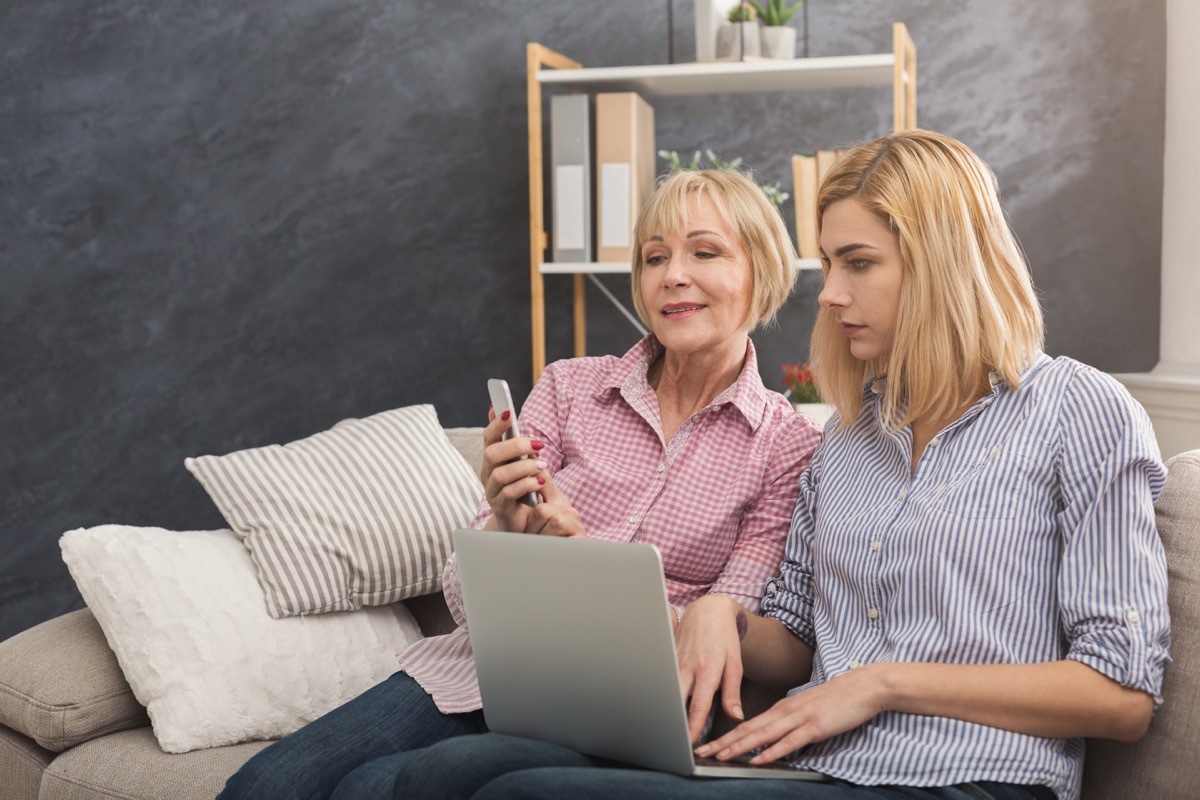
{"type": "Point", "coordinates": [60, 684]}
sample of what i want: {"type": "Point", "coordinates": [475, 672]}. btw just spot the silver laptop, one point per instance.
{"type": "Point", "coordinates": [573, 645]}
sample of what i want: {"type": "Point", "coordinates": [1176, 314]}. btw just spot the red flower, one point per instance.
{"type": "Point", "coordinates": [801, 386]}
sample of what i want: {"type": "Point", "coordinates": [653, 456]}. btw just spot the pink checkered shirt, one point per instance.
{"type": "Point", "coordinates": [716, 500]}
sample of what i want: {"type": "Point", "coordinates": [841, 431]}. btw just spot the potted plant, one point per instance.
{"type": "Point", "coordinates": [739, 36]}
{"type": "Point", "coordinates": [675, 163]}
{"type": "Point", "coordinates": [802, 391]}
{"type": "Point", "coordinates": [778, 40]}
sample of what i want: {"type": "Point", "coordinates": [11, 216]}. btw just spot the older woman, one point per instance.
{"type": "Point", "coordinates": [973, 581]}
{"type": "Point", "coordinates": [676, 443]}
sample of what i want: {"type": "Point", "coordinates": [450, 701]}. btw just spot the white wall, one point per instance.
{"type": "Point", "coordinates": [1171, 392]}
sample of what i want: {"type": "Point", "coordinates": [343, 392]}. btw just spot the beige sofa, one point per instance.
{"type": "Point", "coordinates": [70, 728]}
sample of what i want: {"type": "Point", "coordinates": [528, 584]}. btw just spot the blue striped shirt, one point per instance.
{"type": "Point", "coordinates": [1026, 535]}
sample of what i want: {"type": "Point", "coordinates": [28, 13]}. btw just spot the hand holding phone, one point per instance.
{"type": "Point", "coordinates": [501, 402]}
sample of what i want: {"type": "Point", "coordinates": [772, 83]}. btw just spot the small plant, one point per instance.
{"type": "Point", "coordinates": [774, 13]}
{"type": "Point", "coordinates": [773, 191]}
{"type": "Point", "coordinates": [801, 386]}
{"type": "Point", "coordinates": [746, 11]}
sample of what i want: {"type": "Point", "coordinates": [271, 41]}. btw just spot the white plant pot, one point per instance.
{"type": "Point", "coordinates": [710, 15]}
{"type": "Point", "coordinates": [734, 37]}
{"type": "Point", "coordinates": [779, 41]}
{"type": "Point", "coordinates": [818, 411]}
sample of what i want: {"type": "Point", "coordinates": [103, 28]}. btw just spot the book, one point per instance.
{"type": "Point", "coordinates": [625, 165]}
{"type": "Point", "coordinates": [571, 186]}
{"type": "Point", "coordinates": [825, 161]}
{"type": "Point", "coordinates": [804, 192]}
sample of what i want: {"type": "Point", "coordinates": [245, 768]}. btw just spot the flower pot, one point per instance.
{"type": "Point", "coordinates": [738, 40]}
{"type": "Point", "coordinates": [779, 41]}
{"type": "Point", "coordinates": [818, 411]}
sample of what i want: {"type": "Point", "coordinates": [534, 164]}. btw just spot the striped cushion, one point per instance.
{"type": "Point", "coordinates": [357, 515]}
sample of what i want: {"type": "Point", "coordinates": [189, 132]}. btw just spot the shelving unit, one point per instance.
{"type": "Point", "coordinates": [545, 67]}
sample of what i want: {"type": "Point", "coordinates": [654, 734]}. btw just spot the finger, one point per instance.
{"type": "Point", "coordinates": [698, 709]}
{"type": "Point", "coordinates": [552, 494]}
{"type": "Point", "coordinates": [704, 689]}
{"type": "Point", "coordinates": [742, 739]}
{"type": "Point", "coordinates": [731, 687]}
{"type": "Point", "coordinates": [791, 741]}
{"type": "Point", "coordinates": [515, 491]}
{"type": "Point", "coordinates": [496, 426]}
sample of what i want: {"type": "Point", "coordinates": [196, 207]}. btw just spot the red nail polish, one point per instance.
{"type": "Point", "coordinates": [506, 415]}
{"type": "Point", "coordinates": [536, 445]}
{"type": "Point", "coordinates": [541, 481]}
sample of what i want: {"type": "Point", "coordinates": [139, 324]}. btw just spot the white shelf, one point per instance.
{"type": "Point", "coordinates": [616, 267]}
{"type": "Point", "coordinates": [572, 267]}
{"type": "Point", "coordinates": [731, 77]}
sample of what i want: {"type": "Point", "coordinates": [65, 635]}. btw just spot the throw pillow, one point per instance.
{"type": "Point", "coordinates": [60, 684]}
{"type": "Point", "coordinates": [183, 612]}
{"type": "Point", "coordinates": [358, 515]}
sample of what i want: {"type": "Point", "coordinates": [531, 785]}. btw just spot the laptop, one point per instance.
{"type": "Point", "coordinates": [573, 645]}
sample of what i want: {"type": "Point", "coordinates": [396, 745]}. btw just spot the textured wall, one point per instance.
{"type": "Point", "coordinates": [225, 225]}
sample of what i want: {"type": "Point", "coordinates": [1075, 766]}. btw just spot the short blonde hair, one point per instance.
{"type": "Point", "coordinates": [758, 226]}
{"type": "Point", "coordinates": [967, 303]}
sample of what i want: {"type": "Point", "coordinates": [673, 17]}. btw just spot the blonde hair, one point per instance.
{"type": "Point", "coordinates": [759, 229]}
{"type": "Point", "coordinates": [967, 303]}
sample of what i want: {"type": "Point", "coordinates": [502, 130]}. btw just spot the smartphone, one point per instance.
{"type": "Point", "coordinates": [502, 401]}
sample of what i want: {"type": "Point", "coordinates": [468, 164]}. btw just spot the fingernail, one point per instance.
{"type": "Point", "coordinates": [703, 749]}
{"type": "Point", "coordinates": [535, 444]}
{"type": "Point", "coordinates": [542, 464]}
{"type": "Point", "coordinates": [737, 713]}
{"type": "Point", "coordinates": [541, 481]}
{"type": "Point", "coordinates": [506, 415]}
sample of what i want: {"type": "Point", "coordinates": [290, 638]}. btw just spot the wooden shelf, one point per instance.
{"type": "Point", "coordinates": [731, 77]}
{"type": "Point", "coordinates": [544, 68]}
{"type": "Point", "coordinates": [616, 267]}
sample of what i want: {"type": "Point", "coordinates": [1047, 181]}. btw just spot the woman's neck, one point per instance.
{"type": "Point", "coordinates": [686, 383]}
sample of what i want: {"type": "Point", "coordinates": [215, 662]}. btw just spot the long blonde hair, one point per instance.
{"type": "Point", "coordinates": [759, 228]}
{"type": "Point", "coordinates": [967, 303]}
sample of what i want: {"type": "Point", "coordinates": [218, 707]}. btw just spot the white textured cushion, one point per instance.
{"type": "Point", "coordinates": [357, 515]}
{"type": "Point", "coordinates": [184, 614]}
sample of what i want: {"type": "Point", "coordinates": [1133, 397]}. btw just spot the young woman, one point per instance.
{"type": "Point", "coordinates": [677, 443]}
{"type": "Point", "coordinates": [973, 580]}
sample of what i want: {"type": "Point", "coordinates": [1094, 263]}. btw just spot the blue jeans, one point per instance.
{"type": "Point", "coordinates": [331, 754]}
{"type": "Point", "coordinates": [497, 767]}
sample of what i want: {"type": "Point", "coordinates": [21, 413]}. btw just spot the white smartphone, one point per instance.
{"type": "Point", "coordinates": [502, 401]}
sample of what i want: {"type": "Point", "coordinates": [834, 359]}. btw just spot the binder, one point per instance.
{"type": "Point", "coordinates": [571, 186]}
{"type": "Point", "coordinates": [804, 188]}
{"type": "Point", "coordinates": [625, 170]}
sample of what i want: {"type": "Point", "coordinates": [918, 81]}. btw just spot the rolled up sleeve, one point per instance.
{"type": "Point", "coordinates": [1113, 579]}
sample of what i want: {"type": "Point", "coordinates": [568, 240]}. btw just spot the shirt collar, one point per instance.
{"type": "Point", "coordinates": [877, 385]}
{"type": "Point", "coordinates": [747, 394]}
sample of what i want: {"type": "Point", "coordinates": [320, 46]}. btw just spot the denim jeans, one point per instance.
{"type": "Point", "coordinates": [497, 767]}
{"type": "Point", "coordinates": [331, 754]}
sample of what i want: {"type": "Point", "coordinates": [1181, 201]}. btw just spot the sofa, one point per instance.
{"type": "Point", "coordinates": [71, 729]}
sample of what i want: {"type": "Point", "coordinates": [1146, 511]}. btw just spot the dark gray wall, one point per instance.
{"type": "Point", "coordinates": [224, 225]}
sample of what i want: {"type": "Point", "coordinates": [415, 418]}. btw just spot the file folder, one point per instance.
{"type": "Point", "coordinates": [571, 187]}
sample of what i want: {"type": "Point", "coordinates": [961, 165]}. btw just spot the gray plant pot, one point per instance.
{"type": "Point", "coordinates": [779, 41]}
{"type": "Point", "coordinates": [732, 37]}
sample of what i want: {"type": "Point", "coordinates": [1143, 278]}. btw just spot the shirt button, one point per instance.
{"type": "Point", "coordinates": [633, 520]}
{"type": "Point", "coordinates": [903, 494]}
{"type": "Point", "coordinates": [934, 442]}
{"type": "Point", "coordinates": [662, 467]}
{"type": "Point", "coordinates": [1134, 617]}
{"type": "Point", "coordinates": [875, 546]}
{"type": "Point", "coordinates": [854, 664]}
{"type": "Point", "coordinates": [873, 613]}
